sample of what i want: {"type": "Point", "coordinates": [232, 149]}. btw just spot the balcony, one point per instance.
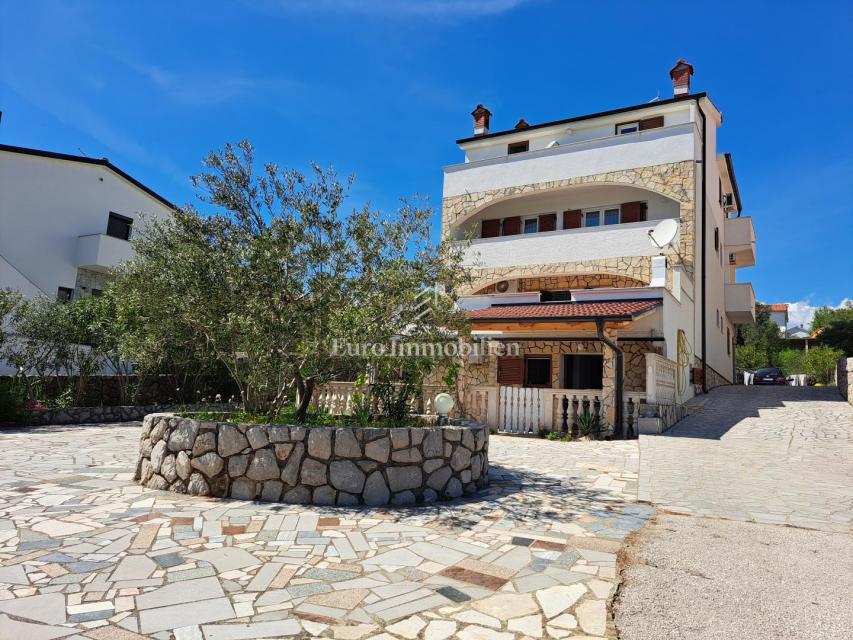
{"type": "Point", "coordinates": [100, 252]}
{"type": "Point", "coordinates": [599, 155]}
{"type": "Point", "coordinates": [567, 245]}
{"type": "Point", "coordinates": [740, 241]}
{"type": "Point", "coordinates": [740, 303]}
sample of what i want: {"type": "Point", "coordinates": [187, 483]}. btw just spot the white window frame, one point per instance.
{"type": "Point", "coordinates": [627, 125]}
{"type": "Point", "coordinates": [524, 224]}
{"type": "Point", "coordinates": [600, 211]}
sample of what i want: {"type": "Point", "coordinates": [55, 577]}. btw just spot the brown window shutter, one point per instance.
{"type": "Point", "coordinates": [510, 370]}
{"type": "Point", "coordinates": [651, 123]}
{"type": "Point", "coordinates": [632, 212]}
{"type": "Point", "coordinates": [572, 219]}
{"type": "Point", "coordinates": [512, 226]}
{"type": "Point", "coordinates": [548, 222]}
{"type": "Point", "coordinates": [491, 228]}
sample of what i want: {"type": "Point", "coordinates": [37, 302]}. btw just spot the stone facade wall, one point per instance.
{"type": "Point", "coordinates": [674, 180]}
{"type": "Point", "coordinates": [715, 378]}
{"type": "Point", "coordinates": [312, 465]}
{"type": "Point", "coordinates": [88, 280]}
{"type": "Point", "coordinates": [844, 378]}
{"type": "Point", "coordinates": [565, 282]}
{"type": "Point", "coordinates": [636, 269]}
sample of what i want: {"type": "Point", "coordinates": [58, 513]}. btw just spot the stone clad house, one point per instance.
{"type": "Point", "coordinates": [575, 307]}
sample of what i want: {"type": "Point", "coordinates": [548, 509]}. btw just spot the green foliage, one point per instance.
{"type": "Point", "coordinates": [13, 399]}
{"type": "Point", "coordinates": [791, 361]}
{"type": "Point", "coordinates": [588, 424]}
{"type": "Point", "coordinates": [825, 316]}
{"type": "Point", "coordinates": [275, 276]}
{"type": "Point", "coordinates": [758, 343]}
{"type": "Point", "coordinates": [820, 363]}
{"type": "Point", "coordinates": [560, 437]}
{"type": "Point", "coordinates": [839, 335]}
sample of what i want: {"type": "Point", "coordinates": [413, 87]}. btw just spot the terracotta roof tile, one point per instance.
{"type": "Point", "coordinates": [622, 309]}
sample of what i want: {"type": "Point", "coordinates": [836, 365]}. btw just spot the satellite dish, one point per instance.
{"type": "Point", "coordinates": [664, 233]}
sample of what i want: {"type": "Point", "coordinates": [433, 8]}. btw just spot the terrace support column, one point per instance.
{"type": "Point", "coordinates": [610, 385]}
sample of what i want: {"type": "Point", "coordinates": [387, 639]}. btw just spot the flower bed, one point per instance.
{"type": "Point", "coordinates": [312, 465]}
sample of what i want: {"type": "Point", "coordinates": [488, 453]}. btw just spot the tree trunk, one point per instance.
{"type": "Point", "coordinates": [304, 391]}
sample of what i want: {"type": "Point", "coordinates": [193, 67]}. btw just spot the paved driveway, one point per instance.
{"type": "Point", "coordinates": [774, 455]}
{"type": "Point", "coordinates": [86, 553]}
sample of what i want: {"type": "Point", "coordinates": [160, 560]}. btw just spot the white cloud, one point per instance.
{"type": "Point", "coordinates": [802, 311]}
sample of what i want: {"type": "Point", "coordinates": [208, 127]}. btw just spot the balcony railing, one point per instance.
{"type": "Point", "coordinates": [740, 302]}
{"type": "Point", "coordinates": [740, 241]}
{"type": "Point", "coordinates": [567, 245]}
{"type": "Point", "coordinates": [100, 252]}
{"type": "Point", "coordinates": [600, 155]}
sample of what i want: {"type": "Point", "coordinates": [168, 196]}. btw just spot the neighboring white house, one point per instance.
{"type": "Point", "coordinates": [562, 265]}
{"type": "Point", "coordinates": [779, 315]}
{"type": "Point", "coordinates": [66, 220]}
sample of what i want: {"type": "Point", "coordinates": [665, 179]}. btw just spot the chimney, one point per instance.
{"type": "Point", "coordinates": [522, 124]}
{"type": "Point", "coordinates": [680, 75]}
{"type": "Point", "coordinates": [481, 120]}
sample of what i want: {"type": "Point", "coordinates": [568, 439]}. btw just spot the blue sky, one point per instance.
{"type": "Point", "coordinates": [381, 89]}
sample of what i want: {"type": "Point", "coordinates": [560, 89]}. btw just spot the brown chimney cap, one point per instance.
{"type": "Point", "coordinates": [680, 66]}
{"type": "Point", "coordinates": [522, 124]}
{"type": "Point", "coordinates": [480, 110]}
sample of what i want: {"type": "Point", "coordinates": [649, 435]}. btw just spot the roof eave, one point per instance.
{"type": "Point", "coordinates": [602, 114]}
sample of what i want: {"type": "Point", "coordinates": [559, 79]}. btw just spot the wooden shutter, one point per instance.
{"type": "Point", "coordinates": [512, 226]}
{"type": "Point", "coordinates": [572, 219]}
{"type": "Point", "coordinates": [632, 212]}
{"type": "Point", "coordinates": [510, 370]}
{"type": "Point", "coordinates": [651, 123]}
{"type": "Point", "coordinates": [491, 228]}
{"type": "Point", "coordinates": [548, 222]}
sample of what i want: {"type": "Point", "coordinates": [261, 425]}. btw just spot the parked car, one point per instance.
{"type": "Point", "coordinates": [770, 375]}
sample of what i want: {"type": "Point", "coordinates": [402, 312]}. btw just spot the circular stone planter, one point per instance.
{"type": "Point", "coordinates": [312, 465]}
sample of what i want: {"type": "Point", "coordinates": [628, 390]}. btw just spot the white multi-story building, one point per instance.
{"type": "Point", "coordinates": [563, 268]}
{"type": "Point", "coordinates": [66, 221]}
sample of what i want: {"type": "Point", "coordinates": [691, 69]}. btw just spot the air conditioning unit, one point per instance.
{"type": "Point", "coordinates": [502, 286]}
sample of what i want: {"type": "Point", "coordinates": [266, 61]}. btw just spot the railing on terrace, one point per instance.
{"type": "Point", "coordinates": [337, 398]}
{"type": "Point", "coordinates": [660, 379]}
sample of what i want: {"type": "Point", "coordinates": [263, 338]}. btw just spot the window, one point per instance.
{"type": "Point", "coordinates": [583, 371]}
{"type": "Point", "coordinates": [555, 296]}
{"type": "Point", "coordinates": [531, 225]}
{"type": "Point", "coordinates": [119, 226]}
{"type": "Point", "coordinates": [716, 238]}
{"type": "Point", "coordinates": [592, 218]}
{"type": "Point", "coordinates": [597, 217]}
{"type": "Point", "coordinates": [537, 371]}
{"type": "Point", "coordinates": [64, 294]}
{"type": "Point", "coordinates": [518, 147]}
{"type": "Point", "coordinates": [728, 342]}
{"type": "Point", "coordinates": [627, 127]}
{"type": "Point", "coordinates": [510, 370]}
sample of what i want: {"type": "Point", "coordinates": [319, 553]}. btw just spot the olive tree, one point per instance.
{"type": "Point", "coordinates": [273, 277]}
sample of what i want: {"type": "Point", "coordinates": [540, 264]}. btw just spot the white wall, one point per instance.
{"type": "Point", "coordinates": [574, 132]}
{"type": "Point", "coordinates": [570, 245]}
{"type": "Point", "coordinates": [45, 204]}
{"type": "Point", "coordinates": [613, 153]}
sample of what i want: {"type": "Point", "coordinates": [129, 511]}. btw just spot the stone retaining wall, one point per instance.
{"type": "Point", "coordinates": [78, 415]}
{"type": "Point", "coordinates": [844, 378]}
{"type": "Point", "coordinates": [312, 465]}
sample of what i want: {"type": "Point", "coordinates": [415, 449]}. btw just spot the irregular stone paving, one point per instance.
{"type": "Point", "coordinates": [86, 553]}
{"type": "Point", "coordinates": [774, 455]}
